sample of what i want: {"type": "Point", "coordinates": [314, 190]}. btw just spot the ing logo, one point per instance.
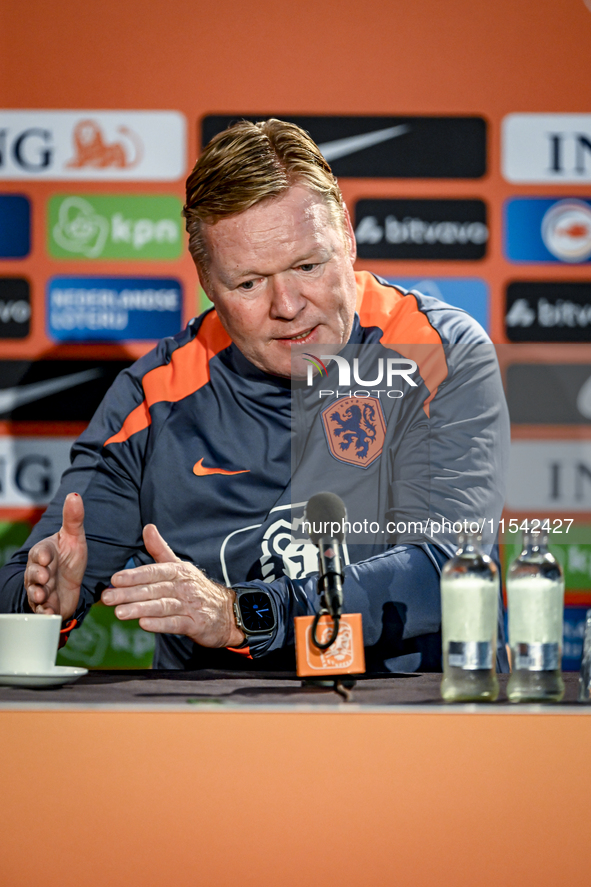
{"type": "Point", "coordinates": [92, 150]}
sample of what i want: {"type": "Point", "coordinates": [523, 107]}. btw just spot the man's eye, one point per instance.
{"type": "Point", "coordinates": [307, 267]}
{"type": "Point", "coordinates": [247, 285]}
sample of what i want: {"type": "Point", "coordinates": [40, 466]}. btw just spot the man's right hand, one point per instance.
{"type": "Point", "coordinates": [56, 565]}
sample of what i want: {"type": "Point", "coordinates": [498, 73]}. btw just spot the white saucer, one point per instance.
{"type": "Point", "coordinates": [57, 677]}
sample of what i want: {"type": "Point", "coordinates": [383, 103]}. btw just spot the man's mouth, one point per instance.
{"type": "Point", "coordinates": [298, 337]}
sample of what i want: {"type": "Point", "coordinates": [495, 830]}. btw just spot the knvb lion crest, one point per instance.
{"type": "Point", "coordinates": [355, 430]}
{"type": "Point", "coordinates": [340, 654]}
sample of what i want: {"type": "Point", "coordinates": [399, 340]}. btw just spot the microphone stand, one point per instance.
{"type": "Point", "coordinates": [329, 584]}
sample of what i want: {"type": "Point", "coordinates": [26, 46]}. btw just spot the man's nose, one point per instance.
{"type": "Point", "coordinates": [286, 299]}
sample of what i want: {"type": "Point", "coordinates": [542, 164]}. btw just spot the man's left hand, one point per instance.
{"type": "Point", "coordinates": [174, 597]}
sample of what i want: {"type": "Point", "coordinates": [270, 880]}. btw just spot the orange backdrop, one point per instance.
{"type": "Point", "coordinates": [311, 57]}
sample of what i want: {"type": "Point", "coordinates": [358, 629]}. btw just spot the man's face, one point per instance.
{"type": "Point", "coordinates": [281, 273]}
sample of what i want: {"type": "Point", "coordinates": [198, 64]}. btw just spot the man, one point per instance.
{"type": "Point", "coordinates": [185, 469]}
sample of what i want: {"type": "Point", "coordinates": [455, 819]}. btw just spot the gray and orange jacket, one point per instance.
{"type": "Point", "coordinates": [197, 440]}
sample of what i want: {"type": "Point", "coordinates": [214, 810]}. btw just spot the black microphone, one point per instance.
{"type": "Point", "coordinates": [326, 515]}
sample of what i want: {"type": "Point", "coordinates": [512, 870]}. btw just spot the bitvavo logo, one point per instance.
{"type": "Point", "coordinates": [395, 367]}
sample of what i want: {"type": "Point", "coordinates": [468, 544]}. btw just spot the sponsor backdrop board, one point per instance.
{"type": "Point", "coordinates": [31, 468]}
{"type": "Point", "coordinates": [15, 226]}
{"type": "Point", "coordinates": [40, 390]}
{"type": "Point", "coordinates": [550, 475]}
{"type": "Point", "coordinates": [386, 147]}
{"type": "Point", "coordinates": [547, 148]}
{"type": "Point", "coordinates": [472, 187]}
{"type": "Point", "coordinates": [15, 308]}
{"type": "Point", "coordinates": [549, 394]}
{"type": "Point", "coordinates": [445, 230]}
{"type": "Point", "coordinates": [118, 145]}
{"type": "Point", "coordinates": [103, 641]}
{"type": "Point", "coordinates": [12, 535]}
{"type": "Point", "coordinates": [545, 230]}
{"type": "Point", "coordinates": [548, 311]}
{"type": "Point", "coordinates": [574, 557]}
{"type": "Point", "coordinates": [469, 293]}
{"type": "Point", "coordinates": [114, 227]}
{"type": "Point", "coordinates": [111, 309]}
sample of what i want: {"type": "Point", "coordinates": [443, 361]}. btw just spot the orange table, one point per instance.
{"type": "Point", "coordinates": [261, 797]}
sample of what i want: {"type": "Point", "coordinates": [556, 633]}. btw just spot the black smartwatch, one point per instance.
{"type": "Point", "coordinates": [255, 614]}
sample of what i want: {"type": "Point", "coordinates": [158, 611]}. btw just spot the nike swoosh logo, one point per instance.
{"type": "Point", "coordinates": [11, 398]}
{"type": "Point", "coordinates": [201, 471]}
{"type": "Point", "coordinates": [343, 147]}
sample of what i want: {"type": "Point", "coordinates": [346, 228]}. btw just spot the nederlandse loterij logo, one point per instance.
{"type": "Point", "coordinates": [542, 229]}
{"type": "Point", "coordinates": [92, 145]}
{"type": "Point", "coordinates": [566, 230]}
{"type": "Point", "coordinates": [85, 309]}
{"type": "Point", "coordinates": [117, 227]}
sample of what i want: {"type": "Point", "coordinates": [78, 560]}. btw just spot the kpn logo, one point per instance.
{"type": "Point", "coordinates": [114, 227]}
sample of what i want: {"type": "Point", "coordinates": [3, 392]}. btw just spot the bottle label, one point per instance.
{"type": "Point", "coordinates": [537, 657]}
{"type": "Point", "coordinates": [470, 655]}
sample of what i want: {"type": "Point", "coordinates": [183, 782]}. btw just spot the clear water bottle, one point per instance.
{"type": "Point", "coordinates": [469, 609]}
{"type": "Point", "coordinates": [585, 672]}
{"type": "Point", "coordinates": [535, 597]}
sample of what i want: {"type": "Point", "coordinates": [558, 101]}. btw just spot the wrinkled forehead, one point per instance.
{"type": "Point", "coordinates": [297, 215]}
{"type": "Point", "coordinates": [309, 212]}
{"type": "Point", "coordinates": [296, 205]}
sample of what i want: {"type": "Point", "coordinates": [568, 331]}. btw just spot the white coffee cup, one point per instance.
{"type": "Point", "coordinates": [28, 642]}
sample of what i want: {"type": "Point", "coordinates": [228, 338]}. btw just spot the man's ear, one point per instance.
{"type": "Point", "coordinates": [349, 235]}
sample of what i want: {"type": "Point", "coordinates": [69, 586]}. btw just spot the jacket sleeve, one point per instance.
{"type": "Point", "coordinates": [406, 576]}
{"type": "Point", "coordinates": [451, 467]}
{"type": "Point", "coordinates": [447, 466]}
{"type": "Point", "coordinates": [397, 594]}
{"type": "Point", "coordinates": [108, 479]}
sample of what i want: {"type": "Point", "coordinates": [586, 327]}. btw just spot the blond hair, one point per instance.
{"type": "Point", "coordinates": [249, 163]}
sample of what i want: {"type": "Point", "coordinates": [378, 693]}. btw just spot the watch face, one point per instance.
{"type": "Point", "coordinates": [256, 611]}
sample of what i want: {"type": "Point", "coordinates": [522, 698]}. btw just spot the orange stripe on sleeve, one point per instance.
{"type": "Point", "coordinates": [187, 371]}
{"type": "Point", "coordinates": [405, 326]}
{"type": "Point", "coordinates": [243, 651]}
{"type": "Point", "coordinates": [137, 420]}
